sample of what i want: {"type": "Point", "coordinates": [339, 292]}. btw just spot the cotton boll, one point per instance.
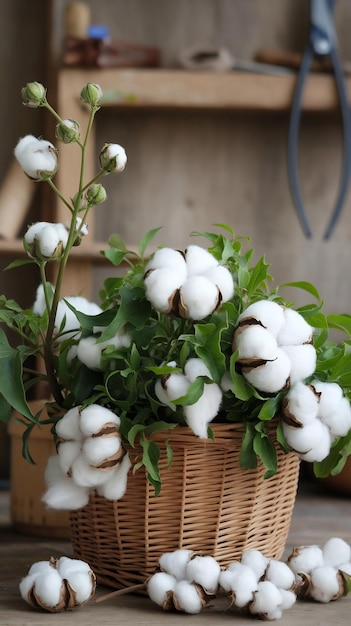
{"type": "Point", "coordinates": [176, 385]}
{"type": "Point", "coordinates": [48, 240]}
{"type": "Point", "coordinates": [288, 598]}
{"type": "Point", "coordinates": [33, 231]}
{"type": "Point", "coordinates": [272, 376]}
{"type": "Point", "coordinates": [40, 567]}
{"type": "Point", "coordinates": [65, 566]}
{"type": "Point", "coordinates": [161, 285]}
{"type": "Point", "coordinates": [239, 580]}
{"type": "Point", "coordinates": [339, 422]}
{"type": "Point", "coordinates": [199, 260]}
{"type": "Point", "coordinates": [67, 452]}
{"type": "Point", "coordinates": [321, 447]}
{"type": "Point", "coordinates": [84, 475]}
{"type": "Point", "coordinates": [48, 587]}
{"type": "Point", "coordinates": [82, 583]}
{"type": "Point", "coordinates": [256, 561]}
{"type": "Point", "coordinates": [159, 586]}
{"type": "Point", "coordinates": [205, 571]}
{"type": "Point", "coordinates": [99, 449]}
{"type": "Point", "coordinates": [267, 599]}
{"type": "Point", "coordinates": [199, 297]}
{"type": "Point", "coordinates": [303, 361]}
{"type": "Point", "coordinates": [304, 439]}
{"type": "Point", "coordinates": [68, 427]}
{"type": "Point", "coordinates": [221, 277]}
{"type": "Point", "coordinates": [94, 417]}
{"type": "Point", "coordinates": [295, 330]}
{"type": "Point", "coordinates": [255, 342]}
{"type": "Point", "coordinates": [325, 584]}
{"type": "Point", "coordinates": [199, 414]}
{"type": "Point", "coordinates": [62, 492]}
{"type": "Point", "coordinates": [89, 353]}
{"type": "Point", "coordinates": [39, 303]}
{"type": "Point", "coordinates": [175, 563]}
{"type": "Point", "coordinates": [194, 368]}
{"type": "Point", "coordinates": [115, 484]}
{"type": "Point", "coordinates": [266, 312]}
{"type": "Point", "coordinates": [346, 568]}
{"type": "Point", "coordinates": [280, 574]}
{"type": "Point", "coordinates": [304, 559]}
{"type": "Point", "coordinates": [301, 404]}
{"type": "Point", "coordinates": [336, 551]}
{"type": "Point", "coordinates": [162, 395]}
{"type": "Point", "coordinates": [187, 598]}
{"type": "Point", "coordinates": [167, 258]}
{"type": "Point", "coordinates": [329, 399]}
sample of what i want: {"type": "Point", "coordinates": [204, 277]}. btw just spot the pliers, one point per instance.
{"type": "Point", "coordinates": [322, 42]}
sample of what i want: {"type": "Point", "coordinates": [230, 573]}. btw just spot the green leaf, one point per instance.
{"type": "Point", "coordinates": [146, 239]}
{"type": "Point", "coordinates": [11, 378]}
{"type": "Point", "coordinates": [269, 408]}
{"type": "Point", "coordinates": [305, 286]}
{"type": "Point", "coordinates": [265, 449]}
{"type": "Point", "coordinates": [151, 457]}
{"type": "Point", "coordinates": [248, 458]}
{"type": "Point", "coordinates": [194, 392]}
{"type": "Point", "coordinates": [347, 581]}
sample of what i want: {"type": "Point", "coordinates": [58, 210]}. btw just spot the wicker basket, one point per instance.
{"type": "Point", "coordinates": [207, 504]}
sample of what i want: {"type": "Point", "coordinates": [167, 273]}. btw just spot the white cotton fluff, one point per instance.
{"type": "Point", "coordinates": [99, 449]}
{"type": "Point", "coordinates": [94, 417]}
{"type": "Point", "coordinates": [159, 585]}
{"type": "Point", "coordinates": [241, 580]}
{"type": "Point", "coordinates": [175, 563]}
{"type": "Point", "coordinates": [226, 382]}
{"type": "Point", "coordinates": [66, 566]}
{"type": "Point", "coordinates": [199, 296]}
{"type": "Point", "coordinates": [62, 492]}
{"type": "Point", "coordinates": [303, 361]}
{"type": "Point", "coordinates": [67, 452]}
{"type": "Point", "coordinates": [115, 486]}
{"type": "Point", "coordinates": [305, 559]}
{"type": "Point", "coordinates": [288, 598]}
{"type": "Point", "coordinates": [324, 583]}
{"type": "Point", "coordinates": [199, 414]}
{"type": "Point", "coordinates": [84, 475]}
{"type": "Point", "coordinates": [312, 442]}
{"type": "Point", "coordinates": [255, 342]}
{"type": "Point", "coordinates": [81, 227]}
{"type": "Point", "coordinates": [34, 230]}
{"type": "Point", "coordinates": [47, 586]}
{"type": "Point", "coordinates": [267, 599]}
{"type": "Point", "coordinates": [196, 367]}
{"type": "Point", "coordinates": [187, 597]}
{"type": "Point", "coordinates": [49, 239]}
{"type": "Point", "coordinates": [199, 260]}
{"type": "Point", "coordinates": [270, 314]}
{"type": "Point", "coordinates": [256, 561]}
{"type": "Point", "coordinates": [295, 330]}
{"type": "Point", "coordinates": [162, 395]}
{"type": "Point", "coordinates": [339, 422]}
{"type": "Point", "coordinates": [271, 377]}
{"type": "Point", "coordinates": [302, 403]}
{"type": "Point", "coordinates": [81, 584]}
{"type": "Point", "coordinates": [345, 567]}
{"type": "Point", "coordinates": [170, 259]}
{"type": "Point", "coordinates": [68, 427]}
{"type": "Point", "coordinates": [36, 156]}
{"type": "Point", "coordinates": [330, 396]}
{"type": "Point", "coordinates": [336, 552]}
{"type": "Point", "coordinates": [205, 571]}
{"type": "Point", "coordinates": [89, 353]}
{"type": "Point", "coordinates": [280, 574]}
{"type": "Point", "coordinates": [222, 278]}
{"type": "Point", "coordinates": [176, 386]}
{"type": "Point", "coordinates": [160, 285]}
{"type": "Point", "coordinates": [66, 319]}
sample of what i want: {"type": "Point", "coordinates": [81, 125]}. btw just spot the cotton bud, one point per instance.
{"type": "Point", "coordinates": [160, 588]}
{"type": "Point", "coordinates": [45, 241]}
{"type": "Point", "coordinates": [91, 94]}
{"type": "Point", "coordinates": [175, 563]}
{"type": "Point", "coordinates": [113, 158]}
{"type": "Point", "coordinates": [37, 157]}
{"type": "Point", "coordinates": [255, 342]}
{"type": "Point", "coordinates": [267, 313]}
{"type": "Point", "coordinates": [199, 260]}
{"type": "Point", "coordinates": [239, 582]}
{"type": "Point", "coordinates": [33, 95]}
{"type": "Point", "coordinates": [95, 194]}
{"type": "Point", "coordinates": [199, 297]}
{"type": "Point", "coordinates": [256, 561]}
{"type": "Point", "coordinates": [336, 552]}
{"type": "Point", "coordinates": [300, 406]}
{"type": "Point", "coordinates": [303, 360]}
{"type": "Point", "coordinates": [295, 330]}
{"type": "Point", "coordinates": [58, 585]}
{"type": "Point", "coordinates": [270, 376]}
{"type": "Point", "coordinates": [205, 571]}
{"type": "Point", "coordinates": [267, 601]}
{"type": "Point", "coordinates": [67, 131]}
{"type": "Point", "coordinates": [305, 559]}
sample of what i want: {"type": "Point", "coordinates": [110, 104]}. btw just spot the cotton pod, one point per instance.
{"type": "Point", "coordinates": [301, 404]}
{"type": "Point", "coordinates": [303, 359]}
{"type": "Point", "coordinates": [270, 376]}
{"type": "Point", "coordinates": [336, 552]}
{"type": "Point", "coordinates": [239, 582]}
{"type": "Point", "coordinates": [112, 157]}
{"type": "Point", "coordinates": [205, 571]}
{"type": "Point", "coordinates": [37, 157]}
{"type": "Point", "coordinates": [305, 559]}
{"type": "Point", "coordinates": [175, 563]}
{"type": "Point", "coordinates": [198, 298]}
{"type": "Point", "coordinates": [266, 313]}
{"type": "Point", "coordinates": [295, 330]}
{"type": "Point", "coordinates": [58, 584]}
{"type": "Point", "coordinates": [267, 601]}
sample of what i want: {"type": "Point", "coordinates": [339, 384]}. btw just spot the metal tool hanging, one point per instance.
{"type": "Point", "coordinates": [322, 42]}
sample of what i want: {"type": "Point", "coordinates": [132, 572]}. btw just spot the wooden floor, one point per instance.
{"type": "Point", "coordinates": [317, 517]}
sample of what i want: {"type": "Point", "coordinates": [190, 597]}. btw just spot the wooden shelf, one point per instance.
{"type": "Point", "coordinates": [88, 251]}
{"type": "Point", "coordinates": [181, 89]}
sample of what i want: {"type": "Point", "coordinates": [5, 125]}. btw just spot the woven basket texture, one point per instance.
{"type": "Point", "coordinates": [207, 504]}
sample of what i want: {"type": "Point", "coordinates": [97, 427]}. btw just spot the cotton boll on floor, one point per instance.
{"type": "Point", "coordinates": [256, 561]}
{"type": "Point", "coordinates": [267, 599]}
{"type": "Point", "coordinates": [240, 581]}
{"type": "Point", "coordinates": [187, 598]}
{"type": "Point", "coordinates": [175, 563]}
{"type": "Point", "coordinates": [303, 361]}
{"type": "Point", "coordinates": [295, 330]}
{"type": "Point", "coordinates": [199, 297]}
{"type": "Point", "coordinates": [159, 586]}
{"type": "Point", "coordinates": [280, 574]}
{"type": "Point", "coordinates": [325, 584]}
{"type": "Point", "coordinates": [205, 571]}
{"type": "Point", "coordinates": [266, 312]}
{"type": "Point", "coordinates": [305, 559]}
{"type": "Point", "coordinates": [336, 552]}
